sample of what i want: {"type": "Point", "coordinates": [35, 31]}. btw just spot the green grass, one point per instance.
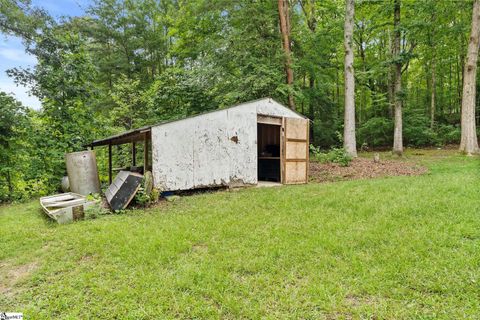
{"type": "Point", "coordinates": [399, 247]}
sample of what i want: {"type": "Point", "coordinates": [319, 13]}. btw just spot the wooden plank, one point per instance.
{"type": "Point", "coordinates": [296, 129]}
{"type": "Point", "coordinates": [134, 154]}
{"type": "Point", "coordinates": [296, 140]}
{"type": "Point", "coordinates": [110, 164]}
{"type": "Point", "coordinates": [59, 198]}
{"type": "Point", "coordinates": [145, 153]}
{"type": "Point", "coordinates": [63, 204]}
{"type": "Point", "coordinates": [269, 120]}
{"type": "Point", "coordinates": [67, 211]}
{"type": "Point", "coordinates": [295, 172]}
{"type": "Point", "coordinates": [307, 152]}
{"type": "Point", "coordinates": [62, 196]}
{"type": "Point", "coordinates": [282, 151]}
{"type": "Point", "coordinates": [295, 151]}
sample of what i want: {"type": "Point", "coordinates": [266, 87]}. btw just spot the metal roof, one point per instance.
{"type": "Point", "coordinates": [124, 137]}
{"type": "Point", "coordinates": [139, 134]}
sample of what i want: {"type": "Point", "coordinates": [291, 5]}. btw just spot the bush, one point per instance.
{"type": "Point", "coordinates": [417, 131]}
{"type": "Point", "coordinates": [448, 134]}
{"type": "Point", "coordinates": [95, 211]}
{"type": "Point", "coordinates": [376, 132]}
{"type": "Point", "coordinates": [335, 155]}
{"type": "Point", "coordinates": [325, 133]}
{"type": "Point", "coordinates": [147, 194]}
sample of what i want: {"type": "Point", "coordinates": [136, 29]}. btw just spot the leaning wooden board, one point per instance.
{"type": "Point", "coordinates": [123, 189]}
{"type": "Point", "coordinates": [65, 207]}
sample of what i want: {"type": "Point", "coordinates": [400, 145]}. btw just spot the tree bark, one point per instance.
{"type": "Point", "coordinates": [433, 96]}
{"type": "Point", "coordinates": [431, 40]}
{"type": "Point", "coordinates": [469, 142]}
{"type": "Point", "coordinates": [285, 32]}
{"type": "Point", "coordinates": [397, 87]}
{"type": "Point", "coordinates": [10, 185]}
{"type": "Point", "coordinates": [311, 110]}
{"type": "Point", "coordinates": [349, 141]}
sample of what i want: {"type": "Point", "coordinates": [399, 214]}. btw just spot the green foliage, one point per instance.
{"type": "Point", "coordinates": [325, 133]}
{"type": "Point", "coordinates": [125, 64]}
{"type": "Point", "coordinates": [334, 155]}
{"type": "Point", "coordinates": [448, 134]}
{"type": "Point", "coordinates": [95, 211]}
{"type": "Point", "coordinates": [417, 131]}
{"type": "Point", "coordinates": [376, 132]}
{"type": "Point", "coordinates": [22, 172]}
{"type": "Point", "coordinates": [141, 197]}
{"type": "Point", "coordinates": [144, 199]}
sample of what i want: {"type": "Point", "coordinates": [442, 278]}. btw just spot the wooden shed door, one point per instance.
{"type": "Point", "coordinates": [295, 151]}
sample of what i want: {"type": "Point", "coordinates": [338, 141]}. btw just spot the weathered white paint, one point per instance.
{"type": "Point", "coordinates": [270, 107]}
{"type": "Point", "coordinates": [172, 155]}
{"type": "Point", "coordinates": [210, 150]}
{"type": "Point", "coordinates": [242, 137]}
{"type": "Point", "coordinates": [214, 149]}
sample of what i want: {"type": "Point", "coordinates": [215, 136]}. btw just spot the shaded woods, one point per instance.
{"type": "Point", "coordinates": [125, 64]}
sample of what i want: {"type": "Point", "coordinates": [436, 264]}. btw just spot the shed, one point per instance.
{"type": "Point", "coordinates": [261, 140]}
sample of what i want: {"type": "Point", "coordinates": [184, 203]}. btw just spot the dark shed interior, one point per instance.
{"type": "Point", "coordinates": [268, 143]}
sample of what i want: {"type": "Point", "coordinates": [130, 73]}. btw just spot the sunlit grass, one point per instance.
{"type": "Point", "coordinates": [398, 247]}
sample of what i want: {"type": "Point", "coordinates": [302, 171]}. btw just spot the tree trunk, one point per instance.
{"type": "Point", "coordinates": [397, 86]}
{"type": "Point", "coordinates": [311, 110]}
{"type": "Point", "coordinates": [10, 185]}
{"type": "Point", "coordinates": [349, 142]}
{"type": "Point", "coordinates": [431, 41]}
{"type": "Point", "coordinates": [285, 31]}
{"type": "Point", "coordinates": [469, 142]}
{"type": "Point", "coordinates": [433, 96]}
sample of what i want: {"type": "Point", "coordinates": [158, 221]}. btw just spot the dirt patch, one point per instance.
{"type": "Point", "coordinates": [86, 258]}
{"type": "Point", "coordinates": [10, 275]}
{"type": "Point", "coordinates": [357, 301]}
{"type": "Point", "coordinates": [363, 168]}
{"type": "Point", "coordinates": [200, 247]}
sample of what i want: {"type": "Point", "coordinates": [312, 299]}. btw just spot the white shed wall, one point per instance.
{"type": "Point", "coordinates": [213, 149]}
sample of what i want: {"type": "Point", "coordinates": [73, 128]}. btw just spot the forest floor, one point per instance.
{"type": "Point", "coordinates": [393, 247]}
{"type": "Point", "coordinates": [364, 168]}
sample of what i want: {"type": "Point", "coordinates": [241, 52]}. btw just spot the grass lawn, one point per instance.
{"type": "Point", "coordinates": [398, 247]}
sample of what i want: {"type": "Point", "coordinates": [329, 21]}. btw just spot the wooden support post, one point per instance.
{"type": "Point", "coordinates": [109, 164]}
{"type": "Point", "coordinates": [134, 154]}
{"type": "Point", "coordinates": [145, 153]}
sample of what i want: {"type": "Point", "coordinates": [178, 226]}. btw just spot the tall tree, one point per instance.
{"type": "Point", "coordinates": [469, 142]}
{"type": "Point", "coordinates": [285, 31]}
{"type": "Point", "coordinates": [12, 119]}
{"type": "Point", "coordinates": [431, 40]}
{"type": "Point", "coordinates": [397, 84]}
{"type": "Point", "coordinates": [349, 141]}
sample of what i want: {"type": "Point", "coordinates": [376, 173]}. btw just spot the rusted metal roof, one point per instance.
{"type": "Point", "coordinates": [124, 137]}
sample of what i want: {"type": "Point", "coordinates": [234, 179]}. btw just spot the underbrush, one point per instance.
{"type": "Point", "coordinates": [334, 155]}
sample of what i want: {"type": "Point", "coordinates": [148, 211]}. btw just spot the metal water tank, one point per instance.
{"type": "Point", "coordinates": [65, 184]}
{"type": "Point", "coordinates": [83, 172]}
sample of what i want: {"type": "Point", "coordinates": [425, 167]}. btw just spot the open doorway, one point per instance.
{"type": "Point", "coordinates": [269, 151]}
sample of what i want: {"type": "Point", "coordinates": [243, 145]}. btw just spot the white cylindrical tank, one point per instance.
{"type": "Point", "coordinates": [83, 172]}
{"type": "Point", "coordinates": [65, 184]}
